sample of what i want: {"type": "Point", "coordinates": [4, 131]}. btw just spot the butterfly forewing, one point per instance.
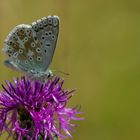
{"type": "Point", "coordinates": [31, 47]}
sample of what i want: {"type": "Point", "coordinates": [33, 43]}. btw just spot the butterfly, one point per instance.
{"type": "Point", "coordinates": [30, 48]}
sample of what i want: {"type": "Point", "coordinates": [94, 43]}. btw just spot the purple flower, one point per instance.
{"type": "Point", "coordinates": [35, 110]}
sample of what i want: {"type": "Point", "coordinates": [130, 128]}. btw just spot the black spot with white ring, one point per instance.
{"type": "Point", "coordinates": [46, 33]}
{"type": "Point", "coordinates": [53, 37]}
{"type": "Point", "coordinates": [25, 39]}
{"type": "Point", "coordinates": [40, 25]}
{"type": "Point", "coordinates": [38, 50]}
{"type": "Point", "coordinates": [21, 30]}
{"type": "Point", "coordinates": [50, 20]}
{"type": "Point", "coordinates": [33, 44]}
{"type": "Point", "coordinates": [26, 62]}
{"type": "Point", "coordinates": [20, 51]}
{"type": "Point", "coordinates": [35, 27]}
{"type": "Point", "coordinates": [42, 37]}
{"type": "Point", "coordinates": [27, 30]}
{"type": "Point", "coordinates": [31, 58]}
{"type": "Point", "coordinates": [45, 22]}
{"type": "Point", "coordinates": [50, 32]}
{"type": "Point", "coordinates": [39, 58]}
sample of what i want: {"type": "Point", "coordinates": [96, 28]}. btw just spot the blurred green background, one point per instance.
{"type": "Point", "coordinates": [99, 45]}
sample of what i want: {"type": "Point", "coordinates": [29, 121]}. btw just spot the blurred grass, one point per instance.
{"type": "Point", "coordinates": [99, 46]}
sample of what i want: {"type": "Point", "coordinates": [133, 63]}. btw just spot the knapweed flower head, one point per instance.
{"type": "Point", "coordinates": [36, 110]}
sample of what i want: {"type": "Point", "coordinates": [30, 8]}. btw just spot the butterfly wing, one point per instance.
{"type": "Point", "coordinates": [17, 47]}
{"type": "Point", "coordinates": [46, 30]}
{"type": "Point", "coordinates": [31, 47]}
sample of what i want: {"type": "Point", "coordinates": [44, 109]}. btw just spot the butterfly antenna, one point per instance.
{"type": "Point", "coordinates": [58, 71]}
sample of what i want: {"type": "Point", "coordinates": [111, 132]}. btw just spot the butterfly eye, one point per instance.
{"type": "Point", "coordinates": [33, 44]}
{"type": "Point", "coordinates": [38, 58]}
{"type": "Point", "coordinates": [38, 50]}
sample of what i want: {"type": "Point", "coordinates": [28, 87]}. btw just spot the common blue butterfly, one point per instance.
{"type": "Point", "coordinates": [30, 48]}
